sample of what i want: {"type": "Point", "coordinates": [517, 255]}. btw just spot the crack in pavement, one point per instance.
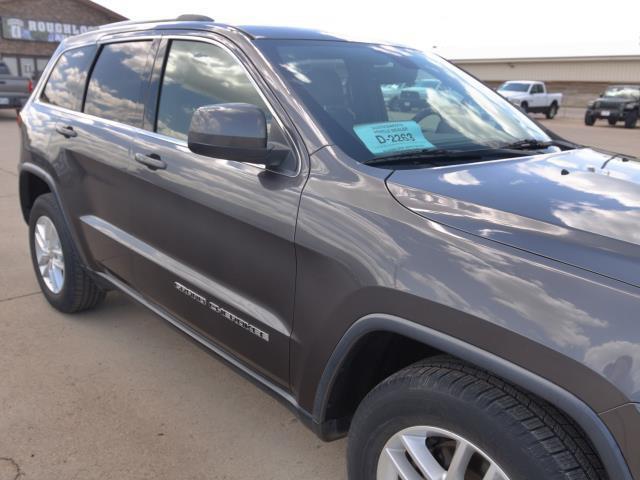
{"type": "Point", "coordinates": [8, 172]}
{"type": "Point", "coordinates": [14, 464]}
{"type": "Point", "coordinates": [8, 299]}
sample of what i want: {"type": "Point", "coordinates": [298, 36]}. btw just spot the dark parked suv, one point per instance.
{"type": "Point", "coordinates": [456, 288]}
{"type": "Point", "coordinates": [618, 103]}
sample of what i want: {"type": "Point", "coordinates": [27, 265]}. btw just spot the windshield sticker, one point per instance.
{"type": "Point", "coordinates": [389, 137]}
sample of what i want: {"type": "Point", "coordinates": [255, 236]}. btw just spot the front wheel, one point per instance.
{"type": "Point", "coordinates": [443, 418]}
{"type": "Point", "coordinates": [631, 120]}
{"type": "Point", "coordinates": [63, 280]}
{"type": "Point", "coordinates": [612, 122]}
{"type": "Point", "coordinates": [589, 119]}
{"type": "Point", "coordinates": [525, 107]}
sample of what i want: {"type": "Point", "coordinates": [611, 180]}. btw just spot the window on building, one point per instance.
{"type": "Point", "coordinates": [198, 74]}
{"type": "Point", "coordinates": [117, 82]}
{"type": "Point", "coordinates": [66, 83]}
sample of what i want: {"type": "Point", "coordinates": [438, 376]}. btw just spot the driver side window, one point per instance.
{"type": "Point", "coordinates": [198, 74]}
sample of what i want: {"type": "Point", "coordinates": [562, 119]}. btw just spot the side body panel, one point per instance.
{"type": "Point", "coordinates": [554, 320]}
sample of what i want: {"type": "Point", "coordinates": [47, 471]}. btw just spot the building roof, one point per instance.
{"type": "Point", "coordinates": [88, 3]}
{"type": "Point", "coordinates": [586, 58]}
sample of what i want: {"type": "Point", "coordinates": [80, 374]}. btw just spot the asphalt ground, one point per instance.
{"type": "Point", "coordinates": [118, 394]}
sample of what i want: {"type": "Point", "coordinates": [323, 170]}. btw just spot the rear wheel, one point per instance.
{"type": "Point", "coordinates": [525, 107]}
{"type": "Point", "coordinates": [63, 279]}
{"type": "Point", "coordinates": [552, 111]}
{"type": "Point", "coordinates": [443, 418]}
{"type": "Point", "coordinates": [612, 121]}
{"type": "Point", "coordinates": [631, 120]}
{"type": "Point", "coordinates": [589, 119]}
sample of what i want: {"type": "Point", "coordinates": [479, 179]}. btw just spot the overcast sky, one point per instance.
{"type": "Point", "coordinates": [458, 28]}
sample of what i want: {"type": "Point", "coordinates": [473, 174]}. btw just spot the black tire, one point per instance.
{"type": "Point", "coordinates": [525, 107]}
{"type": "Point", "coordinates": [631, 120]}
{"type": "Point", "coordinates": [79, 291]}
{"type": "Point", "coordinates": [525, 436]}
{"type": "Point", "coordinates": [552, 111]}
{"type": "Point", "coordinates": [589, 119]}
{"type": "Point", "coordinates": [612, 121]}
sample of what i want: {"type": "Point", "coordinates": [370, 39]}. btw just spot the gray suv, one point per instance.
{"type": "Point", "coordinates": [453, 286]}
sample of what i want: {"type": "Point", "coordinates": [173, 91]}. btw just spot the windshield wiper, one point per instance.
{"type": "Point", "coordinates": [533, 144]}
{"type": "Point", "coordinates": [440, 154]}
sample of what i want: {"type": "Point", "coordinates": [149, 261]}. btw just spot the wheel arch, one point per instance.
{"type": "Point", "coordinates": [586, 418]}
{"type": "Point", "coordinates": [32, 182]}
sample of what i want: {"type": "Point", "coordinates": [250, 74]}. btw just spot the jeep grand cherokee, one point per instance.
{"type": "Point", "coordinates": [455, 288]}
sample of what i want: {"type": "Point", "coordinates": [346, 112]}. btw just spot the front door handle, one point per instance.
{"type": "Point", "coordinates": [66, 131]}
{"type": "Point", "coordinates": [152, 161]}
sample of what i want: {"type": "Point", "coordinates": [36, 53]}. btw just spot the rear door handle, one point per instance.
{"type": "Point", "coordinates": [66, 131]}
{"type": "Point", "coordinates": [152, 161]}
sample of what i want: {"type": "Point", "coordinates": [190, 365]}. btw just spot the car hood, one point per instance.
{"type": "Point", "coordinates": [511, 94]}
{"type": "Point", "coordinates": [580, 207]}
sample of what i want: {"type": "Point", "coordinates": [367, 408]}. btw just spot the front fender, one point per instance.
{"type": "Point", "coordinates": [603, 440]}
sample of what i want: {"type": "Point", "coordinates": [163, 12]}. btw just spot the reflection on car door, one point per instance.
{"type": "Point", "coordinates": [113, 104]}
{"type": "Point", "coordinates": [214, 237]}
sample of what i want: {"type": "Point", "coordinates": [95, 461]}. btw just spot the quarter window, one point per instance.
{"type": "Point", "coordinates": [198, 74]}
{"type": "Point", "coordinates": [66, 83]}
{"type": "Point", "coordinates": [117, 81]}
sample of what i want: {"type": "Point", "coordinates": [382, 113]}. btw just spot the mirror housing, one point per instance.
{"type": "Point", "coordinates": [231, 131]}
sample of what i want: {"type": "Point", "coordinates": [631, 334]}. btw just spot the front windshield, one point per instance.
{"type": "Point", "coordinates": [375, 101]}
{"type": "Point", "coordinates": [514, 87]}
{"type": "Point", "coordinates": [623, 91]}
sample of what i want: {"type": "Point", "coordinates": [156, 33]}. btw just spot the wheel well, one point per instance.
{"type": "Point", "coordinates": [378, 355]}
{"type": "Point", "coordinates": [373, 358]}
{"type": "Point", "coordinates": [31, 187]}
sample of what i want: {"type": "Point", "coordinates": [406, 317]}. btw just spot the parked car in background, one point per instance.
{"type": "Point", "coordinates": [618, 103]}
{"type": "Point", "coordinates": [532, 97]}
{"type": "Point", "coordinates": [413, 96]}
{"type": "Point", "coordinates": [14, 90]}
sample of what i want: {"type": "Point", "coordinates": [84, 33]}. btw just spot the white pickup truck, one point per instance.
{"type": "Point", "coordinates": [531, 97]}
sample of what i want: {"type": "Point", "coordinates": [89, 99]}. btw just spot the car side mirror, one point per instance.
{"type": "Point", "coordinates": [231, 131]}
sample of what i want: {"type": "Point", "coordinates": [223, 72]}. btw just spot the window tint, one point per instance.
{"type": "Point", "coordinates": [198, 74]}
{"type": "Point", "coordinates": [117, 81]}
{"type": "Point", "coordinates": [65, 85]}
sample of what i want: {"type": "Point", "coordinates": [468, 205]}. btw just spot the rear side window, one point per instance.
{"type": "Point", "coordinates": [198, 74]}
{"type": "Point", "coordinates": [66, 83]}
{"type": "Point", "coordinates": [117, 81]}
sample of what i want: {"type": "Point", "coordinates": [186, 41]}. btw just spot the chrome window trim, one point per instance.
{"type": "Point", "coordinates": [197, 36]}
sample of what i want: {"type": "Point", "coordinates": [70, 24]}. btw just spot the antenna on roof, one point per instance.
{"type": "Point", "coordinates": [190, 17]}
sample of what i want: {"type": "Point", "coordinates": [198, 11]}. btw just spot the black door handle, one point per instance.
{"type": "Point", "coordinates": [66, 131]}
{"type": "Point", "coordinates": [153, 161]}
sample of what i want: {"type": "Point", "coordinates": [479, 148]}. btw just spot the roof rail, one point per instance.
{"type": "Point", "coordinates": [191, 17]}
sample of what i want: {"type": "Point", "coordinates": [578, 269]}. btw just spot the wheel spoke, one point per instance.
{"type": "Point", "coordinates": [39, 236]}
{"type": "Point", "coordinates": [494, 473]}
{"type": "Point", "coordinates": [417, 449]}
{"type": "Point", "coordinates": [460, 461]}
{"type": "Point", "coordinates": [401, 467]}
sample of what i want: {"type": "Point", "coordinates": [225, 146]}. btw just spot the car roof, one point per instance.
{"type": "Point", "coordinates": [195, 22]}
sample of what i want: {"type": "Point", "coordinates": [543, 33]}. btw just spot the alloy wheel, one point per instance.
{"type": "Point", "coordinates": [49, 254]}
{"type": "Point", "coordinates": [431, 453]}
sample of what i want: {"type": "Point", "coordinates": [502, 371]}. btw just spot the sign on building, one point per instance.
{"type": "Point", "coordinates": [39, 30]}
